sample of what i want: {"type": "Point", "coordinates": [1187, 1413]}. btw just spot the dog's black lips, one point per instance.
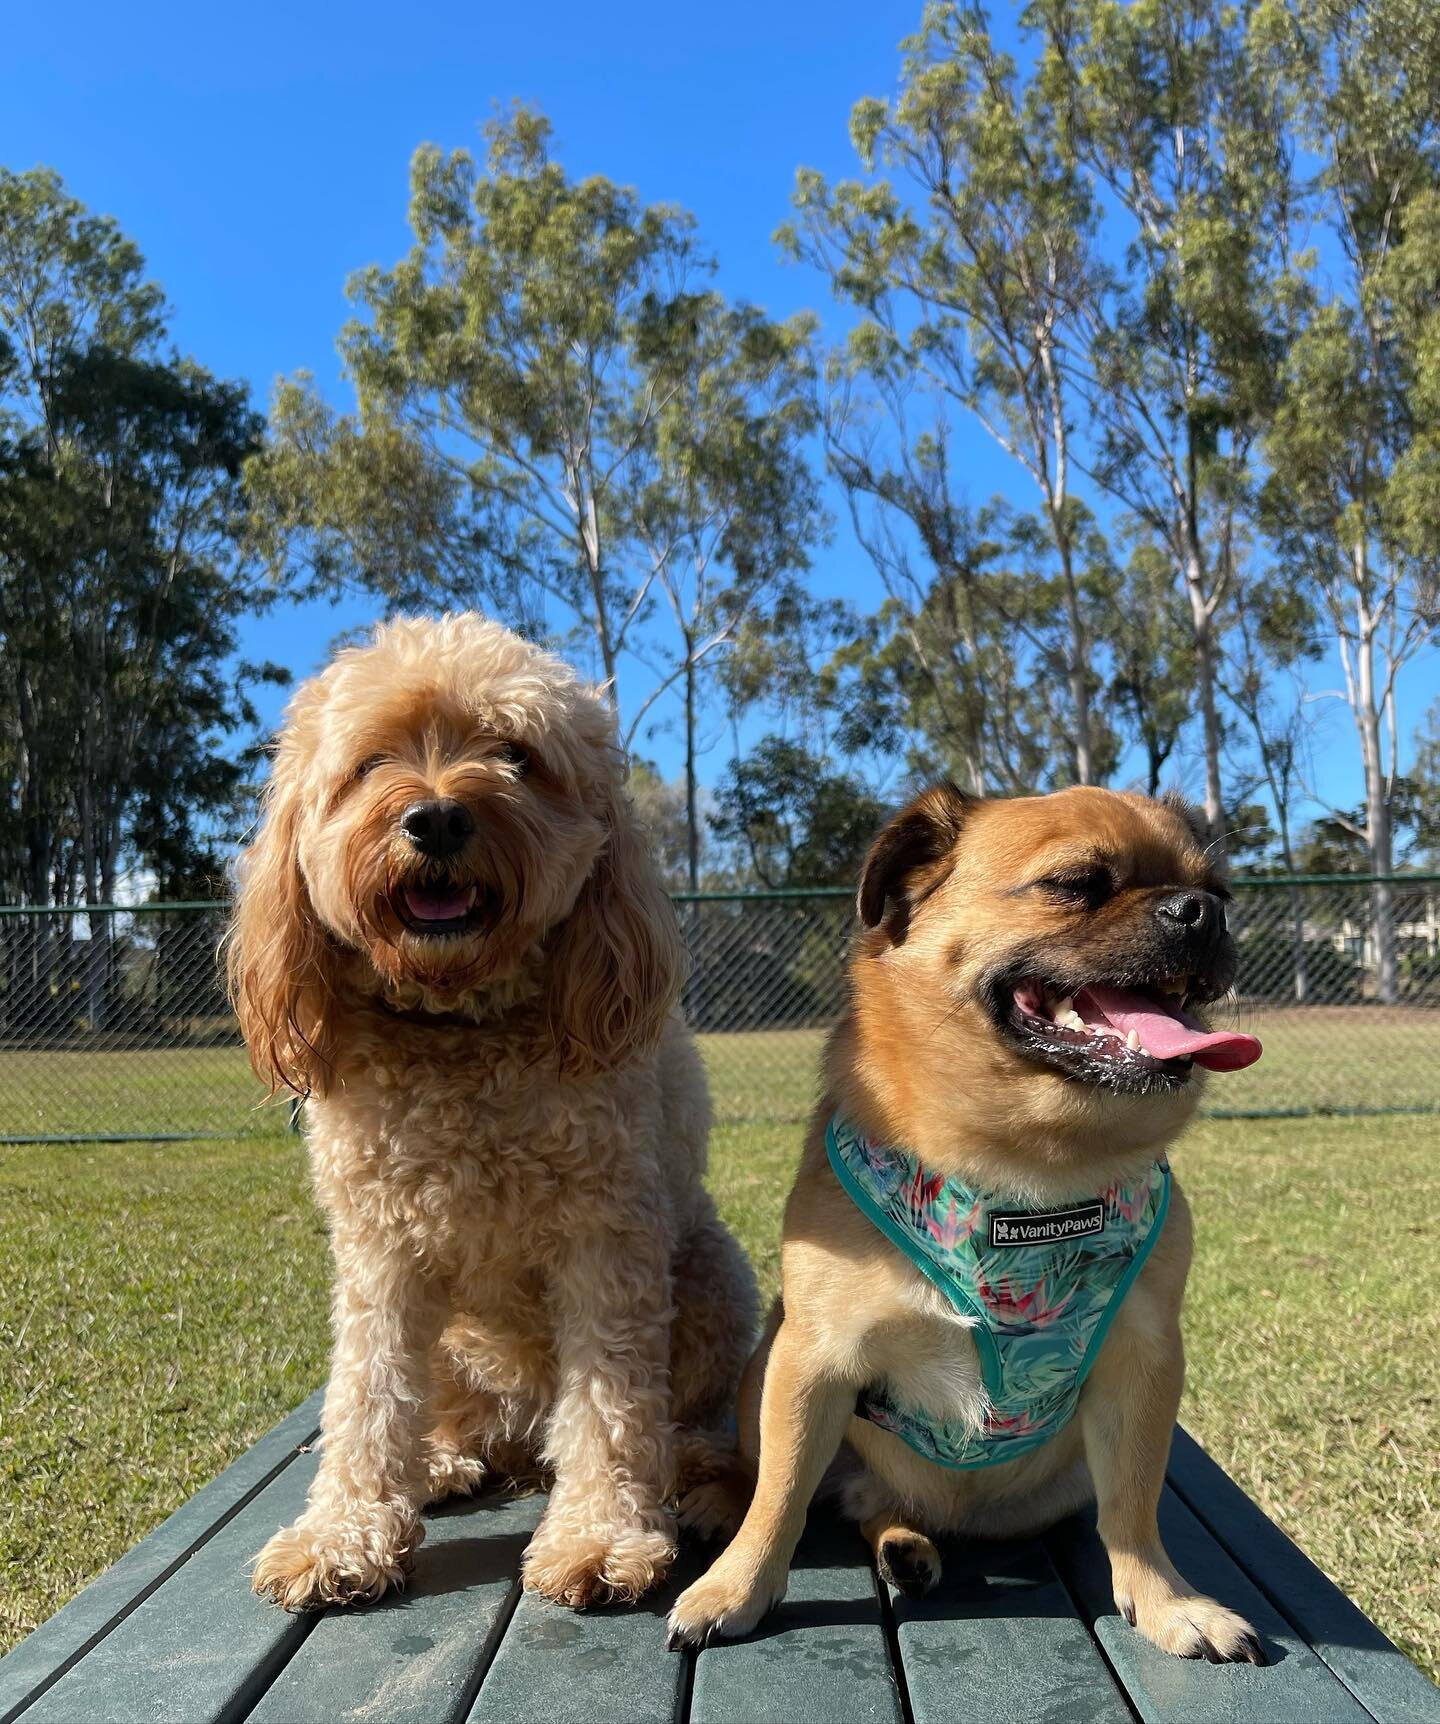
{"type": "Point", "coordinates": [1076, 1054]}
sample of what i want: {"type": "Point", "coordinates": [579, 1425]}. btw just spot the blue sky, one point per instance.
{"type": "Point", "coordinates": [259, 155]}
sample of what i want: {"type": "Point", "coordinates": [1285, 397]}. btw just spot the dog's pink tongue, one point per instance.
{"type": "Point", "coordinates": [1166, 1032]}
{"type": "Point", "coordinates": [433, 904]}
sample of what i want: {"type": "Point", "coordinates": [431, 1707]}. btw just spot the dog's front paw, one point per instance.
{"type": "Point", "coordinates": [722, 1605]}
{"type": "Point", "coordinates": [600, 1566]}
{"type": "Point", "coordinates": [350, 1559]}
{"type": "Point", "coordinates": [1193, 1626]}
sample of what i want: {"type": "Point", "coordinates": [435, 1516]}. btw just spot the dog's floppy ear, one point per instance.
{"type": "Point", "coordinates": [619, 961]}
{"type": "Point", "coordinates": [280, 964]}
{"type": "Point", "coordinates": [920, 836]}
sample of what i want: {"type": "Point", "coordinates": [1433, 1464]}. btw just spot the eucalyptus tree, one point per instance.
{"type": "Point", "coordinates": [966, 249]}
{"type": "Point", "coordinates": [1180, 131]}
{"type": "Point", "coordinates": [558, 418]}
{"type": "Point", "coordinates": [497, 394]}
{"type": "Point", "coordinates": [935, 662]}
{"type": "Point", "coordinates": [1351, 498]}
{"type": "Point", "coordinates": [1152, 675]}
{"type": "Point", "coordinates": [953, 673]}
{"type": "Point", "coordinates": [719, 497]}
{"type": "Point", "coordinates": [791, 817]}
{"type": "Point", "coordinates": [1273, 632]}
{"type": "Point", "coordinates": [1425, 774]}
{"type": "Point", "coordinates": [69, 280]}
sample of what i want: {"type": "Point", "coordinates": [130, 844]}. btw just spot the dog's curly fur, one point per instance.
{"type": "Point", "coordinates": [507, 1122]}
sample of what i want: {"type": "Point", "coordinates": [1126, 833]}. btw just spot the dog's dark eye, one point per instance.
{"type": "Point", "coordinates": [1088, 886]}
{"type": "Point", "coordinates": [514, 755]}
{"type": "Point", "coordinates": [366, 767]}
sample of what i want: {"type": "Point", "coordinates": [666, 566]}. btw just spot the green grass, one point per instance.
{"type": "Point", "coordinates": [1337, 1057]}
{"type": "Point", "coordinates": [1324, 1057]}
{"type": "Point", "coordinates": [132, 1090]}
{"type": "Point", "coordinates": [164, 1304]}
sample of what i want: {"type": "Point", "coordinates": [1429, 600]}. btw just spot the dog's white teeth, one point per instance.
{"type": "Point", "coordinates": [1064, 1008]}
{"type": "Point", "coordinates": [1132, 1041]}
{"type": "Point", "coordinates": [470, 898]}
{"type": "Point", "coordinates": [1071, 1021]}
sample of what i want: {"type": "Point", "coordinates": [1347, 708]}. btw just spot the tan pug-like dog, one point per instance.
{"type": "Point", "coordinates": [1016, 958]}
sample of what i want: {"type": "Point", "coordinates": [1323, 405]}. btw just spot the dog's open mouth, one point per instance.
{"type": "Point", "coordinates": [439, 908]}
{"type": "Point", "coordinates": [1129, 1038]}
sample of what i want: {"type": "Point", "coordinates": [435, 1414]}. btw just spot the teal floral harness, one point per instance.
{"type": "Point", "coordinates": [1042, 1285]}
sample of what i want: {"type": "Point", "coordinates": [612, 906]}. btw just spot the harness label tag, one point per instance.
{"type": "Point", "coordinates": [1048, 1227]}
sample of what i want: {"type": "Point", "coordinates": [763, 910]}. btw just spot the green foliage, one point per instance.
{"type": "Point", "coordinates": [558, 418]}
{"type": "Point", "coordinates": [1102, 264]}
{"type": "Point", "coordinates": [966, 253]}
{"type": "Point", "coordinates": [1181, 131]}
{"type": "Point", "coordinates": [121, 579]}
{"type": "Point", "coordinates": [660, 804]}
{"type": "Point", "coordinates": [793, 820]}
{"type": "Point", "coordinates": [965, 670]}
{"type": "Point", "coordinates": [1425, 784]}
{"type": "Point", "coordinates": [1340, 842]}
{"type": "Point", "coordinates": [561, 420]}
{"type": "Point", "coordinates": [1353, 446]}
{"type": "Point", "coordinates": [1153, 657]}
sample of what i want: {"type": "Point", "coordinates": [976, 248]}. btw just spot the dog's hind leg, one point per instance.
{"type": "Point", "coordinates": [904, 1556]}
{"type": "Point", "coordinates": [714, 1473]}
{"type": "Point", "coordinates": [484, 1436]}
{"type": "Point", "coordinates": [713, 1484]}
{"type": "Point", "coordinates": [466, 1450]}
{"type": "Point", "coordinates": [716, 1312]}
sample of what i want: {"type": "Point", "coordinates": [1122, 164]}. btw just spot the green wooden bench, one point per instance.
{"type": "Point", "coordinates": [1021, 1633]}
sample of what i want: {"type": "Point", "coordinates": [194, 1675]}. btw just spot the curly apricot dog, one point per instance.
{"type": "Point", "coordinates": [450, 936]}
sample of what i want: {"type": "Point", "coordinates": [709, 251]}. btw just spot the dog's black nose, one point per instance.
{"type": "Point", "coordinates": [1198, 913]}
{"type": "Point", "coordinates": [437, 828]}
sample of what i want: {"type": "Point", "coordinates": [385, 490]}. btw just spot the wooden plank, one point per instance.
{"type": "Point", "coordinates": [42, 1657]}
{"type": "Point", "coordinates": [1002, 1624]}
{"type": "Point", "coordinates": [417, 1656]}
{"type": "Point", "coordinates": [1392, 1689]}
{"type": "Point", "coordinates": [1294, 1688]}
{"type": "Point", "coordinates": [821, 1657]}
{"type": "Point", "coordinates": [201, 1648]}
{"type": "Point", "coordinates": [558, 1666]}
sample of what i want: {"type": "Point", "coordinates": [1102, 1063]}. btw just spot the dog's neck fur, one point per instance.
{"type": "Point", "coordinates": [504, 999]}
{"type": "Point", "coordinates": [970, 1109]}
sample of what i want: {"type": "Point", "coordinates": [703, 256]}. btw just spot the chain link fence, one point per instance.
{"type": "Point", "coordinates": [114, 1024]}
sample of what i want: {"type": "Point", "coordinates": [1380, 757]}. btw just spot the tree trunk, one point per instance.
{"type": "Point", "coordinates": [975, 750]}
{"type": "Point", "coordinates": [692, 784]}
{"type": "Point", "coordinates": [1203, 630]}
{"type": "Point", "coordinates": [1078, 667]}
{"type": "Point", "coordinates": [589, 525]}
{"type": "Point", "coordinates": [1378, 836]}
